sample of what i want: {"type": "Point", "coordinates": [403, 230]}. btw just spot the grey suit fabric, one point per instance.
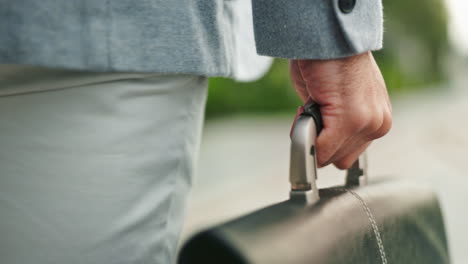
{"type": "Point", "coordinates": [203, 37]}
{"type": "Point", "coordinates": [95, 168]}
{"type": "Point", "coordinates": [316, 29]}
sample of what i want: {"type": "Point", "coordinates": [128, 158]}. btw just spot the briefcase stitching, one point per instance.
{"type": "Point", "coordinates": [371, 218]}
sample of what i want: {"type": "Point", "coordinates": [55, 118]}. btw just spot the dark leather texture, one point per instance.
{"type": "Point", "coordinates": [343, 227]}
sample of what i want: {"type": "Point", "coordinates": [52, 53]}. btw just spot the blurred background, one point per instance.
{"type": "Point", "coordinates": [244, 159]}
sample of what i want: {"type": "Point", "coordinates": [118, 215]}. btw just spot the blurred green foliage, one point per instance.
{"type": "Point", "coordinates": [272, 93]}
{"type": "Point", "coordinates": [415, 44]}
{"type": "Point", "coordinates": [415, 48]}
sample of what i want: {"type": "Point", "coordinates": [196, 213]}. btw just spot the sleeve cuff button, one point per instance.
{"type": "Point", "coordinates": [346, 6]}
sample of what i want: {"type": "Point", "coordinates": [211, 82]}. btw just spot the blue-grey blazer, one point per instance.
{"type": "Point", "coordinates": [204, 37]}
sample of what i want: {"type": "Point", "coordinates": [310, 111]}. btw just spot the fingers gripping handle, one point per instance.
{"type": "Point", "coordinates": [303, 163]}
{"type": "Point", "coordinates": [313, 110]}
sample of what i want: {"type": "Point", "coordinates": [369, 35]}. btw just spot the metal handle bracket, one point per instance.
{"type": "Point", "coordinates": [303, 160]}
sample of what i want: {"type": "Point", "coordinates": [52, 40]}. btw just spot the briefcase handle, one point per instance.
{"type": "Point", "coordinates": [303, 163]}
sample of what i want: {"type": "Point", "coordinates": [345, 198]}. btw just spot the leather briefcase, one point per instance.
{"type": "Point", "coordinates": [361, 222]}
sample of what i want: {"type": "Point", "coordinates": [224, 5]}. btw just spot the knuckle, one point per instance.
{"type": "Point", "coordinates": [388, 119]}
{"type": "Point", "coordinates": [360, 120]}
{"type": "Point", "coordinates": [375, 124]}
{"type": "Point", "coordinates": [385, 126]}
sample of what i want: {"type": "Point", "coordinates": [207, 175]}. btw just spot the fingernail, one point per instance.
{"type": "Point", "coordinates": [323, 164]}
{"type": "Point", "coordinates": [320, 165]}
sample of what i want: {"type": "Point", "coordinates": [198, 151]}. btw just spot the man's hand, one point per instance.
{"type": "Point", "coordinates": [353, 100]}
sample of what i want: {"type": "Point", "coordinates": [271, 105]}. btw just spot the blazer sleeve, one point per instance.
{"type": "Point", "coordinates": [317, 29]}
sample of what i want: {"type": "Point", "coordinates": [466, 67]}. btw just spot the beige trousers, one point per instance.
{"type": "Point", "coordinates": [95, 167]}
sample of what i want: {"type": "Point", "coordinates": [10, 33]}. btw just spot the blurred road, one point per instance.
{"type": "Point", "coordinates": [244, 161]}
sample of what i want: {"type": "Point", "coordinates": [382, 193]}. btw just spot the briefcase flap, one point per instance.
{"type": "Point", "coordinates": [386, 222]}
